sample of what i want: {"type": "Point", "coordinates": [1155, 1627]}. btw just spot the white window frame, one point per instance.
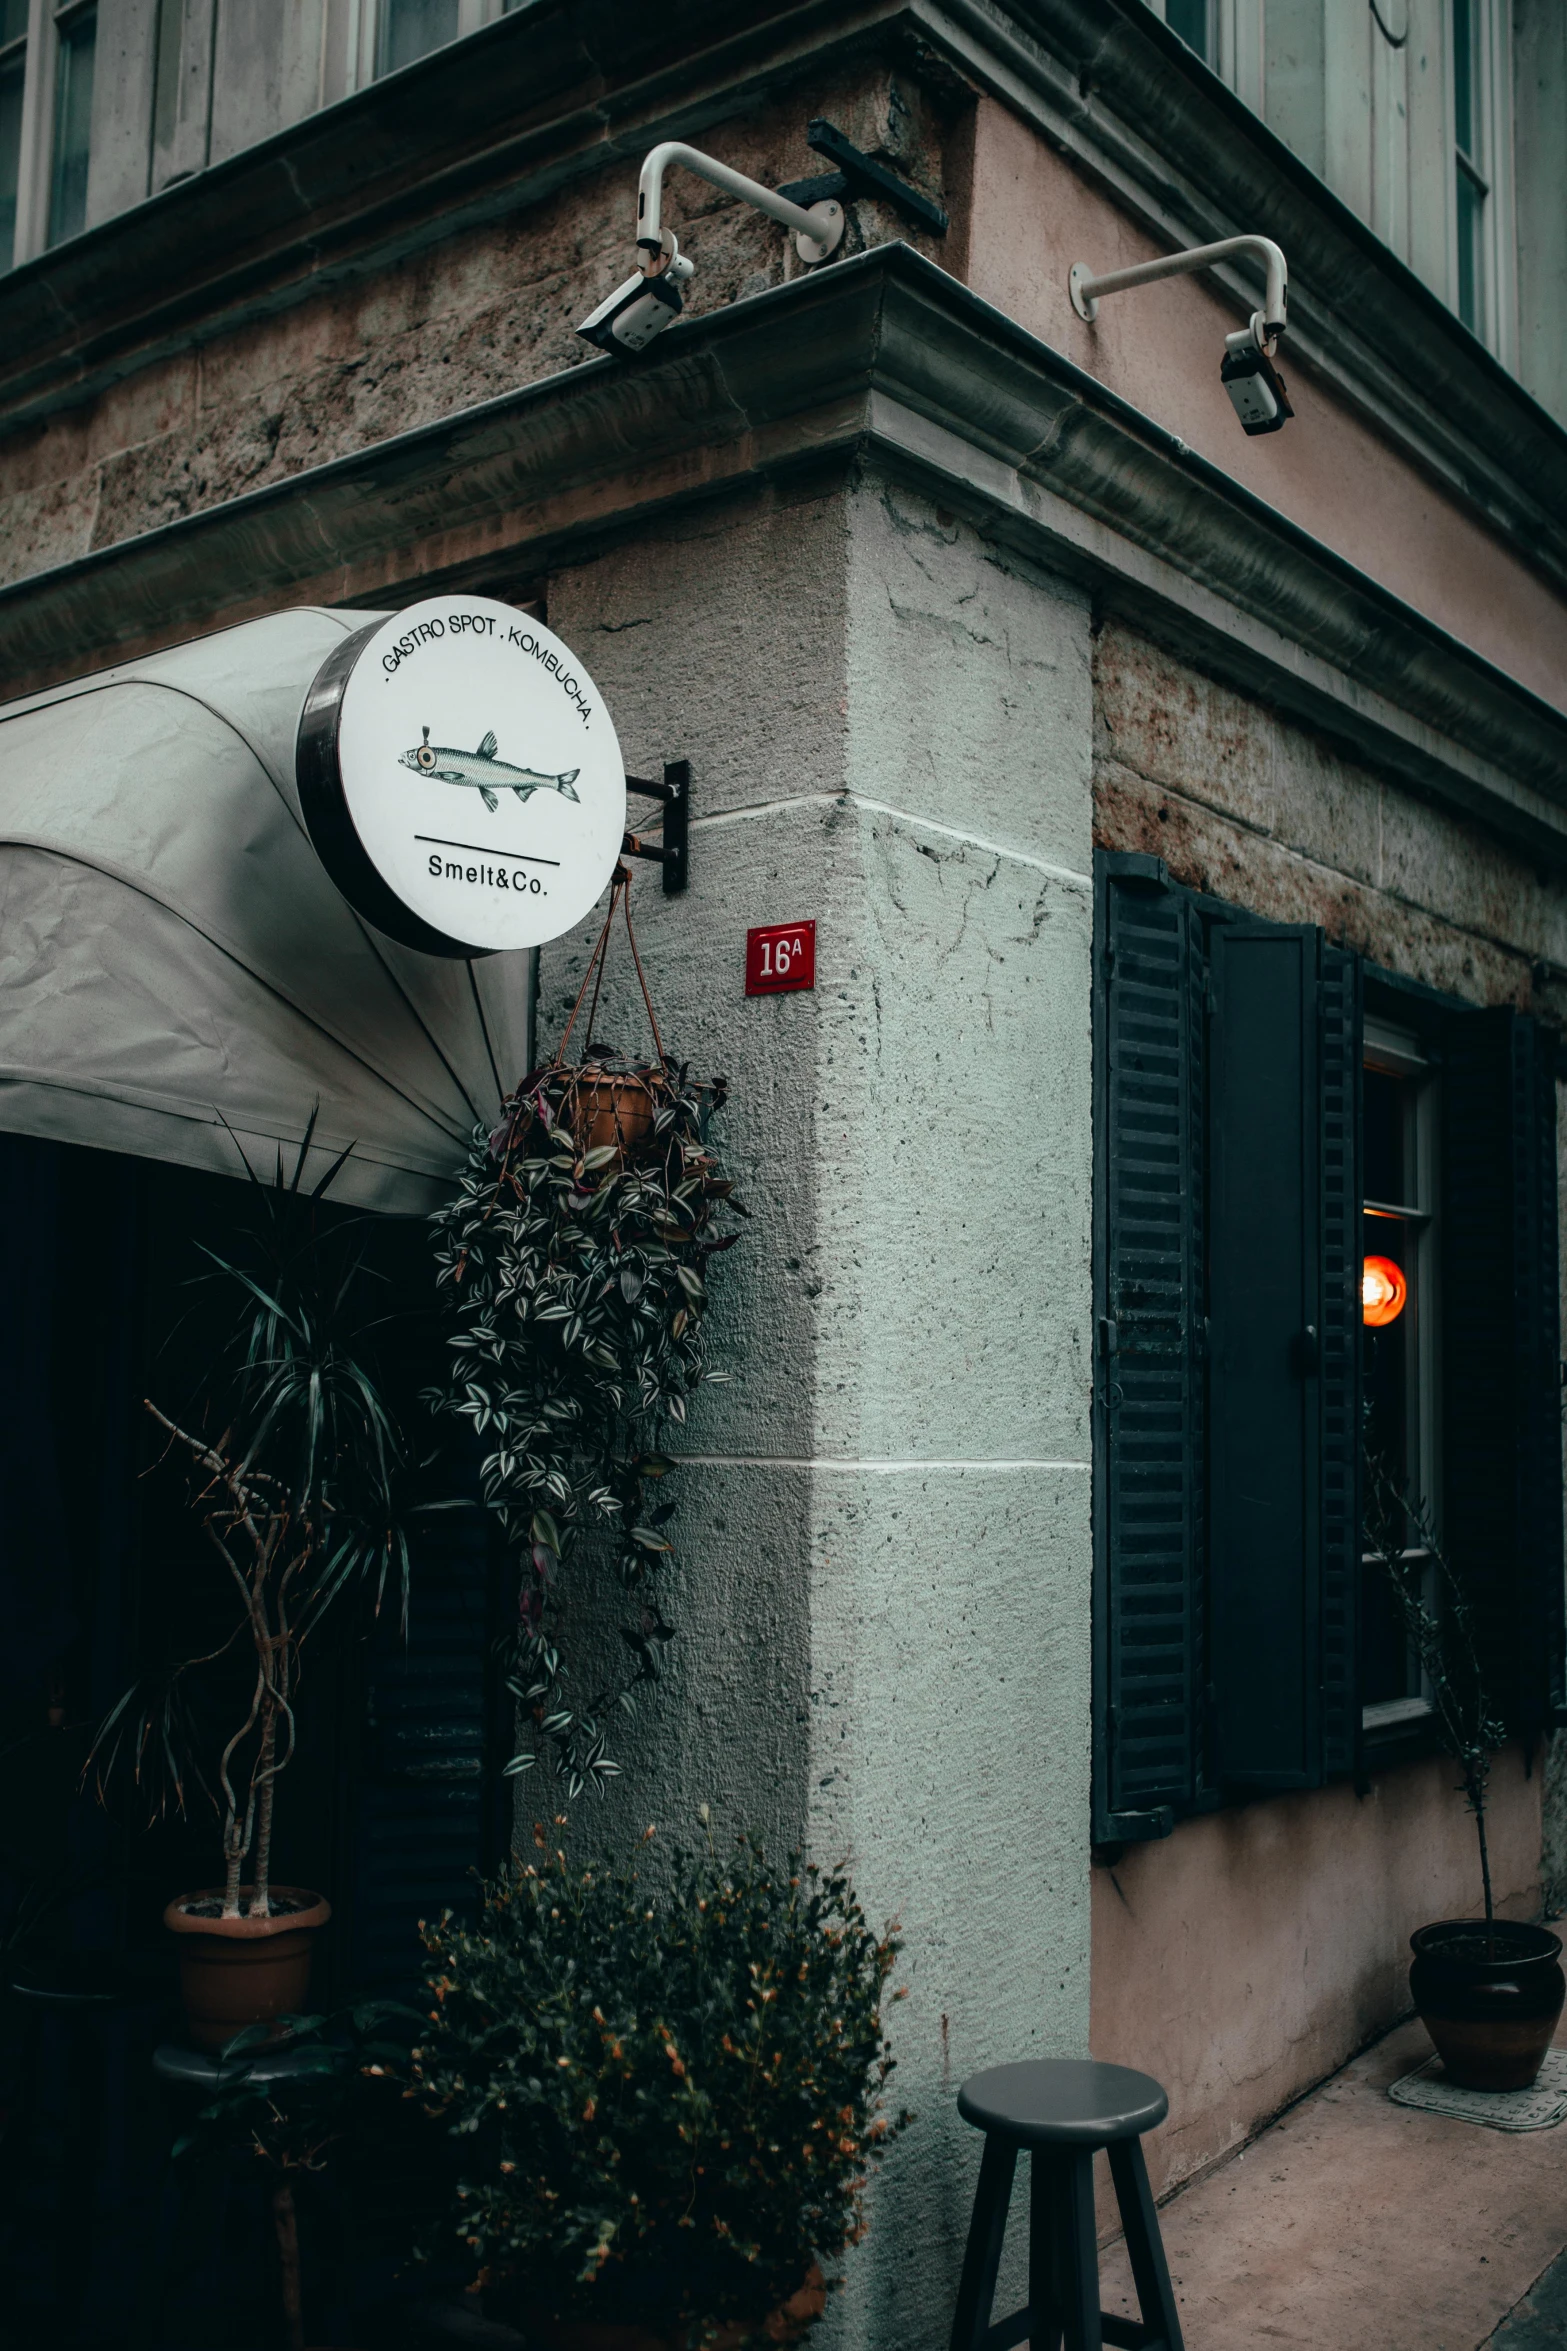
{"type": "Point", "coordinates": [1399, 1053]}
{"type": "Point", "coordinates": [1496, 320]}
{"type": "Point", "coordinates": [351, 40]}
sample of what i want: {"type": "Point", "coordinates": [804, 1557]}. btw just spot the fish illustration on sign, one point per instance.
{"type": "Point", "coordinates": [483, 773]}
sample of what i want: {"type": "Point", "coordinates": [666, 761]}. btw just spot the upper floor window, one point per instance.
{"type": "Point", "coordinates": [1191, 19]}
{"type": "Point", "coordinates": [409, 29]}
{"type": "Point", "coordinates": [76, 41]}
{"type": "Point", "coordinates": [1472, 141]}
{"type": "Point", "coordinates": [13, 83]}
{"type": "Point", "coordinates": [46, 116]}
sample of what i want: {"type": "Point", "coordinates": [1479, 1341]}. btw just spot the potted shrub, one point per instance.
{"type": "Point", "coordinates": [668, 2100]}
{"type": "Point", "coordinates": [1488, 1991]}
{"type": "Point", "coordinates": [293, 1463]}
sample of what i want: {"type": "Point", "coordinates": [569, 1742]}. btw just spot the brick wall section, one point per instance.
{"type": "Point", "coordinates": [1247, 805]}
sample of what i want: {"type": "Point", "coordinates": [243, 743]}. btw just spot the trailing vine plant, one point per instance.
{"type": "Point", "coordinates": [573, 1260]}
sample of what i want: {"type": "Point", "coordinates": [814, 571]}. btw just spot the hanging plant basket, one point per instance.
{"type": "Point", "coordinates": [574, 1261]}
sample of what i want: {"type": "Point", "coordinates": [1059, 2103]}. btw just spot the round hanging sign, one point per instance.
{"type": "Point", "coordinates": [461, 778]}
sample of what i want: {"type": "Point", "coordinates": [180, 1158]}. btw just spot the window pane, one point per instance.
{"type": "Point", "coordinates": [10, 155]}
{"type": "Point", "coordinates": [72, 126]}
{"type": "Point", "coordinates": [1382, 1139]}
{"type": "Point", "coordinates": [412, 28]}
{"type": "Point", "coordinates": [1465, 28]}
{"type": "Point", "coordinates": [1471, 252]}
{"type": "Point", "coordinates": [13, 20]}
{"type": "Point", "coordinates": [1189, 18]}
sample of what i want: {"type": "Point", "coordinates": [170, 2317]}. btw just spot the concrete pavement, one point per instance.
{"type": "Point", "coordinates": [1365, 2226]}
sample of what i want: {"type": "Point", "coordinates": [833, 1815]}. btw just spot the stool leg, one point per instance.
{"type": "Point", "coordinates": [1063, 2259]}
{"type": "Point", "coordinates": [982, 2254]}
{"type": "Point", "coordinates": [1144, 2245]}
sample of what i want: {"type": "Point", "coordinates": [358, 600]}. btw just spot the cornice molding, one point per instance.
{"type": "Point", "coordinates": [558, 88]}
{"type": "Point", "coordinates": [1126, 100]}
{"type": "Point", "coordinates": [887, 360]}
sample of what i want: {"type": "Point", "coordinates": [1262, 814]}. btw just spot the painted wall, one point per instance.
{"type": "Point", "coordinates": [1253, 1951]}
{"type": "Point", "coordinates": [1031, 217]}
{"type": "Point", "coordinates": [883, 1597]}
{"type": "Point", "coordinates": [1248, 1955]}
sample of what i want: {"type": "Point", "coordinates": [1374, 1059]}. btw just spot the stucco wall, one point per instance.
{"type": "Point", "coordinates": [1252, 1952]}
{"type": "Point", "coordinates": [1032, 216]}
{"type": "Point", "coordinates": [883, 1596]}
{"type": "Point", "coordinates": [1248, 1955]}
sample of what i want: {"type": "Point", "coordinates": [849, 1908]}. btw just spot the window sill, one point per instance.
{"type": "Point", "coordinates": [1394, 1714]}
{"type": "Point", "coordinates": [1399, 1730]}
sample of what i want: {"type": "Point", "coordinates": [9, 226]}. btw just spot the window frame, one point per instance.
{"type": "Point", "coordinates": [1404, 1053]}
{"type": "Point", "coordinates": [1179, 1082]}
{"type": "Point", "coordinates": [47, 22]}
{"type": "Point", "coordinates": [1488, 165]}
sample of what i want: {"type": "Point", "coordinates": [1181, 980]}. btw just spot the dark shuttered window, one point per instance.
{"type": "Point", "coordinates": [1502, 1433]}
{"type": "Point", "coordinates": [1228, 1434]}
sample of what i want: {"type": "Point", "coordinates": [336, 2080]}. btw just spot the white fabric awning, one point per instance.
{"type": "Point", "coordinates": [173, 956]}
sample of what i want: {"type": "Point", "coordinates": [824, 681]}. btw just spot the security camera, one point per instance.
{"type": "Point", "coordinates": [645, 304]}
{"type": "Point", "coordinates": [641, 308]}
{"type": "Point", "coordinates": [1247, 372]}
{"type": "Point", "coordinates": [1255, 386]}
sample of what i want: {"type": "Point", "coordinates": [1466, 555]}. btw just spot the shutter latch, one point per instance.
{"type": "Point", "coordinates": [1107, 1336]}
{"type": "Point", "coordinates": [1308, 1351]}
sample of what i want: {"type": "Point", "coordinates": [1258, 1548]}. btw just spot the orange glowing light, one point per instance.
{"type": "Point", "coordinates": [1383, 1290]}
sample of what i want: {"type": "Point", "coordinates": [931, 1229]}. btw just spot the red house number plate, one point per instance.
{"type": "Point", "coordinates": [781, 956]}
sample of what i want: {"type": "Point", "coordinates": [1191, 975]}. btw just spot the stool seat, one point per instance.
{"type": "Point", "coordinates": [1063, 2102]}
{"type": "Point", "coordinates": [1058, 2112]}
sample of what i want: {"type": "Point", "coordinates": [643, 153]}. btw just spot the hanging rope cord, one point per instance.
{"type": "Point", "coordinates": [619, 894]}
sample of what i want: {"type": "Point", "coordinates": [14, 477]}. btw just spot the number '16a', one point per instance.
{"type": "Point", "coordinates": [778, 957]}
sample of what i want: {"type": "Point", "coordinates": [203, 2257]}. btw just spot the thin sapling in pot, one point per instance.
{"type": "Point", "coordinates": [1488, 1991]}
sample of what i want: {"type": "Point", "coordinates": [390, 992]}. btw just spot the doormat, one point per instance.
{"type": "Point", "coordinates": [1538, 2108]}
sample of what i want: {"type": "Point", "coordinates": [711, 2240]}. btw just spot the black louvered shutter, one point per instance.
{"type": "Point", "coordinates": [1148, 1451]}
{"type": "Point", "coordinates": [1343, 1045]}
{"type": "Point", "coordinates": [1265, 1339]}
{"type": "Point", "coordinates": [1284, 1353]}
{"type": "Point", "coordinates": [1501, 1486]}
{"type": "Point", "coordinates": [428, 1791]}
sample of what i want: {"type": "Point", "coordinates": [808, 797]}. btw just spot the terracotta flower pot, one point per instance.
{"type": "Point", "coordinates": [1489, 1997]}
{"type": "Point", "coordinates": [241, 1971]}
{"type": "Point", "coordinates": [615, 1110]}
{"type": "Point", "coordinates": [786, 2324]}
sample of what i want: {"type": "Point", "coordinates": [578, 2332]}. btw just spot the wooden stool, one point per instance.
{"type": "Point", "coordinates": [1062, 2110]}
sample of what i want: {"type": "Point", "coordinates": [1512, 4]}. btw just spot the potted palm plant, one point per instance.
{"type": "Point", "coordinates": [1489, 1991]}
{"type": "Point", "coordinates": [667, 2100]}
{"type": "Point", "coordinates": [293, 1463]}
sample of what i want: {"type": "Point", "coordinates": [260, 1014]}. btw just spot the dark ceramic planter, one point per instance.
{"type": "Point", "coordinates": [1489, 1997]}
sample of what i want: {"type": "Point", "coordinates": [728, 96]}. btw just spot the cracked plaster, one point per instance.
{"type": "Point", "coordinates": [883, 1597]}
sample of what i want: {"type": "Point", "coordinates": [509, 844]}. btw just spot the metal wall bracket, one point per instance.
{"type": "Point", "coordinates": [672, 849]}
{"type": "Point", "coordinates": [858, 174]}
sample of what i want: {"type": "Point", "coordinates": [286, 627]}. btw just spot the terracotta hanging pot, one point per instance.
{"type": "Point", "coordinates": [1489, 1996]}
{"type": "Point", "coordinates": [607, 1099]}
{"type": "Point", "coordinates": [613, 1107]}
{"type": "Point", "coordinates": [242, 1971]}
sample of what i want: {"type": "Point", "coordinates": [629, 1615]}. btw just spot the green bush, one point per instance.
{"type": "Point", "coordinates": [674, 2097]}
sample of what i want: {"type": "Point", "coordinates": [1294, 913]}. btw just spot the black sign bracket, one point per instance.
{"type": "Point", "coordinates": [672, 849]}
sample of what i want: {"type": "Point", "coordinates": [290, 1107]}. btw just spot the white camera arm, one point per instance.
{"type": "Point", "coordinates": [1267, 324]}
{"type": "Point", "coordinates": [817, 232]}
